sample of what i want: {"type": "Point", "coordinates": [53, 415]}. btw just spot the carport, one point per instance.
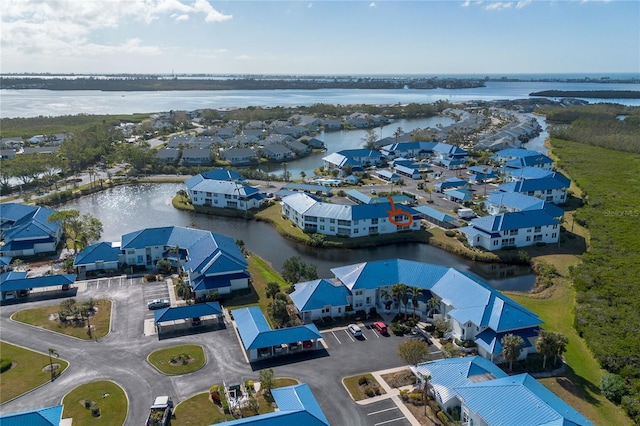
{"type": "Point", "coordinates": [12, 283]}
{"type": "Point", "coordinates": [183, 318]}
{"type": "Point", "coordinates": [260, 341]}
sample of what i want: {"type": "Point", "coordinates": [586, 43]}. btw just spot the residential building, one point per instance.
{"type": "Point", "coordinates": [354, 159]}
{"type": "Point", "coordinates": [206, 190]}
{"type": "Point", "coordinates": [26, 231]}
{"type": "Point", "coordinates": [276, 152]}
{"type": "Point", "coordinates": [512, 229]}
{"type": "Point", "coordinates": [363, 220]}
{"type": "Point", "coordinates": [476, 311]}
{"type": "Point", "coordinates": [501, 202]}
{"type": "Point", "coordinates": [553, 188]}
{"type": "Point", "coordinates": [484, 395]}
{"type": "Point", "coordinates": [239, 156]}
{"type": "Point", "coordinates": [196, 156]}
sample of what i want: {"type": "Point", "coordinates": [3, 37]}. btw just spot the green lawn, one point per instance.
{"type": "Point", "coordinates": [27, 372]}
{"type": "Point", "coordinates": [42, 317]}
{"type": "Point", "coordinates": [113, 406]}
{"type": "Point", "coordinates": [161, 359]}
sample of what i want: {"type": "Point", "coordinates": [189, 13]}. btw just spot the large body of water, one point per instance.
{"type": "Point", "coordinates": [33, 103]}
{"type": "Point", "coordinates": [127, 209]}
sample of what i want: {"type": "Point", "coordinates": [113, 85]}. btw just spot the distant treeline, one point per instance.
{"type": "Point", "coordinates": [157, 84]}
{"type": "Point", "coordinates": [599, 94]}
{"type": "Point", "coordinates": [611, 126]}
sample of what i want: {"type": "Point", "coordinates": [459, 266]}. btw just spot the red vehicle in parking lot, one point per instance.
{"type": "Point", "coordinates": [380, 326]}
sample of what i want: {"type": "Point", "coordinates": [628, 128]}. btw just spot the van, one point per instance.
{"type": "Point", "coordinates": [466, 213]}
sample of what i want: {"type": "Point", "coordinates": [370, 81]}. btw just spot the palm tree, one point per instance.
{"type": "Point", "coordinates": [183, 290]}
{"type": "Point", "coordinates": [546, 345]}
{"type": "Point", "coordinates": [561, 345]}
{"type": "Point", "coordinates": [52, 352]}
{"type": "Point", "coordinates": [385, 295]}
{"type": "Point", "coordinates": [511, 348]}
{"type": "Point", "coordinates": [405, 299]}
{"type": "Point", "coordinates": [416, 293]}
{"type": "Point", "coordinates": [397, 291]}
{"type": "Point", "coordinates": [433, 304]}
{"type": "Point", "coordinates": [426, 384]}
{"type": "Point", "coordinates": [273, 288]}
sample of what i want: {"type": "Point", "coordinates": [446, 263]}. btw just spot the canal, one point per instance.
{"type": "Point", "coordinates": [129, 208]}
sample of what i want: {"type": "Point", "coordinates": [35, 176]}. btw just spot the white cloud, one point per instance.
{"type": "Point", "coordinates": [243, 57]}
{"type": "Point", "coordinates": [71, 27]}
{"type": "Point", "coordinates": [467, 3]}
{"type": "Point", "coordinates": [372, 4]}
{"type": "Point", "coordinates": [310, 5]}
{"type": "Point", "coordinates": [523, 3]}
{"type": "Point", "coordinates": [499, 5]}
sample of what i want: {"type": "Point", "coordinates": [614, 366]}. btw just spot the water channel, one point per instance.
{"type": "Point", "coordinates": [130, 208]}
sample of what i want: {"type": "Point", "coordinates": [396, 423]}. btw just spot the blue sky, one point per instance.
{"type": "Point", "coordinates": [320, 37]}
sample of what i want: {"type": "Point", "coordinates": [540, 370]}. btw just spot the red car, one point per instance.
{"type": "Point", "coordinates": [380, 326]}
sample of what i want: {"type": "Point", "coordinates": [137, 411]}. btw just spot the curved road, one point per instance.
{"type": "Point", "coordinates": [121, 357]}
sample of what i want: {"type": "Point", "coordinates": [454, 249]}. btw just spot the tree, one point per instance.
{"type": "Point", "coordinates": [416, 293]}
{"type": "Point", "coordinates": [273, 288]}
{"type": "Point", "coordinates": [613, 387]}
{"type": "Point", "coordinates": [279, 310]}
{"type": "Point", "coordinates": [442, 326]}
{"type": "Point", "coordinates": [398, 133]}
{"type": "Point", "coordinates": [183, 290]}
{"type": "Point", "coordinates": [398, 291]}
{"type": "Point", "coordinates": [511, 348]}
{"type": "Point", "coordinates": [370, 139]}
{"type": "Point", "coordinates": [549, 344]}
{"type": "Point", "coordinates": [433, 304]}
{"type": "Point", "coordinates": [81, 230]}
{"type": "Point", "coordinates": [295, 270]}
{"type": "Point", "coordinates": [303, 175]}
{"type": "Point", "coordinates": [266, 381]}
{"type": "Point", "coordinates": [414, 351]}
{"type": "Point", "coordinates": [52, 352]}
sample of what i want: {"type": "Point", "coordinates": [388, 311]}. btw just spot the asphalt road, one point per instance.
{"type": "Point", "coordinates": [121, 357]}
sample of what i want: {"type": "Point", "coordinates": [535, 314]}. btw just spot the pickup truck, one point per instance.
{"type": "Point", "coordinates": [160, 412]}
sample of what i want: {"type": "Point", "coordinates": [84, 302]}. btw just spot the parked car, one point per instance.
{"type": "Point", "coordinates": [307, 344]}
{"type": "Point", "coordinates": [196, 321]}
{"type": "Point", "coordinates": [66, 287]}
{"type": "Point", "coordinates": [294, 346]}
{"type": "Point", "coordinates": [381, 327]}
{"type": "Point", "coordinates": [158, 304]}
{"type": "Point", "coordinates": [355, 330]}
{"type": "Point", "coordinates": [278, 349]}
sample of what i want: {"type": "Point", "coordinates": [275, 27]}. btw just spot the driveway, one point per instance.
{"type": "Point", "coordinates": [121, 357]}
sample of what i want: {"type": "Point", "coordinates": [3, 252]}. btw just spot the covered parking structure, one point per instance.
{"type": "Point", "coordinates": [201, 316]}
{"type": "Point", "coordinates": [16, 283]}
{"type": "Point", "coordinates": [260, 341]}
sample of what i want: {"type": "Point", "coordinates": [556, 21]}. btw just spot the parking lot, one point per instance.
{"type": "Point", "coordinates": [384, 412]}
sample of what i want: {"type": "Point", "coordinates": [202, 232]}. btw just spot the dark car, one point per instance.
{"type": "Point", "coordinates": [158, 304]}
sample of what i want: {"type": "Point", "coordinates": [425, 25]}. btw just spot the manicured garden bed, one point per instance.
{"type": "Point", "coordinates": [362, 386]}
{"type": "Point", "coordinates": [178, 359]}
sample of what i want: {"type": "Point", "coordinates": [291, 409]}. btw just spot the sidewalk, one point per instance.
{"type": "Point", "coordinates": [391, 393]}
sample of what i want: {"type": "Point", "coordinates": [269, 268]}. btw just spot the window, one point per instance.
{"type": "Point", "coordinates": [528, 237]}
{"type": "Point", "coordinates": [358, 292]}
{"type": "Point", "coordinates": [332, 221]}
{"type": "Point", "coordinates": [495, 242]}
{"type": "Point", "coordinates": [321, 227]}
{"type": "Point", "coordinates": [553, 235]}
{"type": "Point", "coordinates": [374, 221]}
{"type": "Point", "coordinates": [355, 231]}
{"type": "Point", "coordinates": [537, 238]}
{"type": "Point", "coordinates": [367, 301]}
{"type": "Point", "coordinates": [549, 191]}
{"type": "Point", "coordinates": [537, 229]}
{"type": "Point", "coordinates": [513, 232]}
{"type": "Point", "coordinates": [358, 304]}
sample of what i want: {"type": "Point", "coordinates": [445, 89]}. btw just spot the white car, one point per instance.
{"type": "Point", "coordinates": [158, 304]}
{"type": "Point", "coordinates": [355, 330]}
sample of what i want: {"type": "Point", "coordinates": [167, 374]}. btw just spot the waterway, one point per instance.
{"type": "Point", "coordinates": [127, 209]}
{"type": "Point", "coordinates": [34, 103]}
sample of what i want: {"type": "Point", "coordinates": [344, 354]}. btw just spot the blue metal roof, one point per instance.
{"type": "Point", "coordinates": [460, 194]}
{"type": "Point", "coordinates": [11, 281]}
{"type": "Point", "coordinates": [256, 333]}
{"type": "Point", "coordinates": [449, 373]}
{"type": "Point", "coordinates": [528, 173]}
{"type": "Point", "coordinates": [188, 311]}
{"type": "Point", "coordinates": [434, 213]}
{"type": "Point", "coordinates": [518, 400]}
{"type": "Point", "coordinates": [49, 416]}
{"type": "Point", "coordinates": [203, 283]}
{"type": "Point", "coordinates": [103, 251]}
{"type": "Point", "coordinates": [489, 340]}
{"type": "Point", "coordinates": [5, 260]}
{"type": "Point", "coordinates": [554, 181]}
{"type": "Point", "coordinates": [296, 406]}
{"type": "Point", "coordinates": [529, 161]}
{"type": "Point", "coordinates": [307, 187]}
{"type": "Point", "coordinates": [513, 220]}
{"type": "Point", "coordinates": [317, 294]}
{"type": "Point", "coordinates": [514, 153]}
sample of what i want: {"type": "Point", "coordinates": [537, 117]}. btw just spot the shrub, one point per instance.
{"type": "Point", "coordinates": [369, 391]}
{"type": "Point", "coordinates": [404, 394]}
{"type": "Point", "coordinates": [5, 364]}
{"type": "Point", "coordinates": [150, 277]}
{"type": "Point", "coordinates": [443, 417]}
{"type": "Point", "coordinates": [214, 389]}
{"type": "Point", "coordinates": [450, 233]}
{"type": "Point", "coordinates": [250, 385]}
{"type": "Point", "coordinates": [363, 381]}
{"type": "Point", "coordinates": [613, 387]}
{"type": "Point", "coordinates": [416, 398]}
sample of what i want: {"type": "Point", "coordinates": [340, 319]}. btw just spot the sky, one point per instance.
{"type": "Point", "coordinates": [344, 37]}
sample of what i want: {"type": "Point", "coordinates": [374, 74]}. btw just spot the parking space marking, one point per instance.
{"type": "Point", "coordinates": [390, 421]}
{"type": "Point", "coordinates": [334, 335]}
{"type": "Point", "coordinates": [348, 333]}
{"type": "Point", "coordinates": [382, 411]}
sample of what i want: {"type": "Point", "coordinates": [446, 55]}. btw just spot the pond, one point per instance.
{"type": "Point", "coordinates": [129, 208]}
